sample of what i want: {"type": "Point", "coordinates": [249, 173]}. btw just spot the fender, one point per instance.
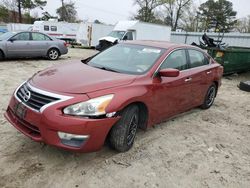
{"type": "Point", "coordinates": [126, 96]}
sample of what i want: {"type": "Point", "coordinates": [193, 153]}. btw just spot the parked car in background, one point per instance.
{"type": "Point", "coordinates": [79, 105]}
{"type": "Point", "coordinates": [31, 44]}
{"type": "Point", "coordinates": [2, 31]}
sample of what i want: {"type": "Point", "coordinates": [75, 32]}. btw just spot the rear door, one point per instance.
{"type": "Point", "coordinates": [202, 75]}
{"type": "Point", "coordinates": [40, 44]}
{"type": "Point", "coordinates": [19, 45]}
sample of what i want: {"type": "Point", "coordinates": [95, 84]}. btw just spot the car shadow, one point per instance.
{"type": "Point", "coordinates": [35, 58]}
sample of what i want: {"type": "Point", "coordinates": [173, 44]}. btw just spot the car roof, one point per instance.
{"type": "Point", "coordinates": [157, 44]}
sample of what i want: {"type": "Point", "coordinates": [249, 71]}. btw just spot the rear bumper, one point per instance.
{"type": "Point", "coordinates": [44, 127]}
{"type": "Point", "coordinates": [64, 51]}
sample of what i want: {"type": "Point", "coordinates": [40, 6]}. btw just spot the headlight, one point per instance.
{"type": "Point", "coordinates": [93, 107]}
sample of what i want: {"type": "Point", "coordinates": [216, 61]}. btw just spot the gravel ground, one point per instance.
{"type": "Point", "coordinates": [197, 149]}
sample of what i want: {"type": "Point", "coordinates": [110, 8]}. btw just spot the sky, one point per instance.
{"type": "Point", "coordinates": [111, 11]}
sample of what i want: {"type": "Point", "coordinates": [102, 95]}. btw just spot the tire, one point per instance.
{"type": "Point", "coordinates": [210, 97]}
{"type": "Point", "coordinates": [53, 54]}
{"type": "Point", "coordinates": [123, 133]}
{"type": "Point", "coordinates": [245, 86]}
{"type": "Point", "coordinates": [1, 55]}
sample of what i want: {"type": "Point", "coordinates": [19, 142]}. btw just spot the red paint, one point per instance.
{"type": "Point", "coordinates": [164, 97]}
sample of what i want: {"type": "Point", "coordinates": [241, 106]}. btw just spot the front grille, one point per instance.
{"type": "Point", "coordinates": [33, 99]}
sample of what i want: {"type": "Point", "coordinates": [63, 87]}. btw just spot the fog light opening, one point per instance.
{"type": "Point", "coordinates": [72, 140]}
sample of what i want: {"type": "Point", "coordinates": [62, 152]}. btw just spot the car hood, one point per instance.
{"type": "Point", "coordinates": [109, 39]}
{"type": "Point", "coordinates": [77, 77]}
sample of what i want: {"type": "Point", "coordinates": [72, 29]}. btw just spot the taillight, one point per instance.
{"type": "Point", "coordinates": [65, 44]}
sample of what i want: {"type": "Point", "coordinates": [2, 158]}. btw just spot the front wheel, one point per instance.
{"type": "Point", "coordinates": [210, 97]}
{"type": "Point", "coordinates": [123, 133]}
{"type": "Point", "coordinates": [53, 54]}
{"type": "Point", "coordinates": [1, 56]}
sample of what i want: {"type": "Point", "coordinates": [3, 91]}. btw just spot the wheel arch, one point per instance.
{"type": "Point", "coordinates": [54, 47]}
{"type": "Point", "coordinates": [2, 53]}
{"type": "Point", "coordinates": [217, 86]}
{"type": "Point", "coordinates": [143, 113]}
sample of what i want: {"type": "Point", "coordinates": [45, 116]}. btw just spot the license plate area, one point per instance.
{"type": "Point", "coordinates": [20, 110]}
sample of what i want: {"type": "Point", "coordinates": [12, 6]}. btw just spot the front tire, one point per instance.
{"type": "Point", "coordinates": [1, 56]}
{"type": "Point", "coordinates": [210, 97]}
{"type": "Point", "coordinates": [53, 54]}
{"type": "Point", "coordinates": [123, 133]}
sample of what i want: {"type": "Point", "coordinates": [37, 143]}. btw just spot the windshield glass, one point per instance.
{"type": "Point", "coordinates": [127, 58]}
{"type": "Point", "coordinates": [117, 34]}
{"type": "Point", "coordinates": [6, 35]}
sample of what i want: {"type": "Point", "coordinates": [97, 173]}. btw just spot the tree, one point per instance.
{"type": "Point", "coordinates": [4, 13]}
{"type": "Point", "coordinates": [67, 12]}
{"type": "Point", "coordinates": [146, 10]}
{"type": "Point", "coordinates": [32, 4]}
{"type": "Point", "coordinates": [174, 11]}
{"type": "Point", "coordinates": [11, 6]}
{"type": "Point", "coordinates": [243, 25]}
{"type": "Point", "coordinates": [190, 20]}
{"type": "Point", "coordinates": [218, 15]}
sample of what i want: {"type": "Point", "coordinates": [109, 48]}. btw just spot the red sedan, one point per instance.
{"type": "Point", "coordinates": [79, 105]}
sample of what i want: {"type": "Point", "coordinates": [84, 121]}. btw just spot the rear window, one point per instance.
{"type": "Point", "coordinates": [197, 59]}
{"type": "Point", "coordinates": [40, 37]}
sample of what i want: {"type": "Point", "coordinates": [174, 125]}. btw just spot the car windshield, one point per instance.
{"type": "Point", "coordinates": [117, 34]}
{"type": "Point", "coordinates": [127, 58]}
{"type": "Point", "coordinates": [6, 35]}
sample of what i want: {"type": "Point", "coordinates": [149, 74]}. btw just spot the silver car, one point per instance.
{"type": "Point", "coordinates": [31, 44]}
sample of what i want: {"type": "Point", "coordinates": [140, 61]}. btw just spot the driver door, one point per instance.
{"type": "Point", "coordinates": [19, 45]}
{"type": "Point", "coordinates": [172, 95]}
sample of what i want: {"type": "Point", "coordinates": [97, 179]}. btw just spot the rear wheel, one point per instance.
{"type": "Point", "coordinates": [53, 54]}
{"type": "Point", "coordinates": [210, 97]}
{"type": "Point", "coordinates": [123, 133]}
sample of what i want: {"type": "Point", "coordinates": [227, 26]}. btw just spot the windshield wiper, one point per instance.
{"type": "Point", "coordinates": [107, 69]}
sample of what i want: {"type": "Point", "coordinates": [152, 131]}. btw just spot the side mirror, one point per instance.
{"type": "Point", "coordinates": [12, 40]}
{"type": "Point", "coordinates": [169, 73]}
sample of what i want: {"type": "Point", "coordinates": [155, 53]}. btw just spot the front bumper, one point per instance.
{"type": "Point", "coordinates": [44, 127]}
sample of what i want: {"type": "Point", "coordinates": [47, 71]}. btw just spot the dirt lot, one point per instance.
{"type": "Point", "coordinates": [197, 149]}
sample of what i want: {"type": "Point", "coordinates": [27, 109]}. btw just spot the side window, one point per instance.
{"type": "Point", "coordinates": [46, 28]}
{"type": "Point", "coordinates": [129, 35]}
{"type": "Point", "coordinates": [22, 37]}
{"type": "Point", "coordinates": [176, 60]}
{"type": "Point", "coordinates": [197, 59]}
{"type": "Point", "coordinates": [53, 28]}
{"type": "Point", "coordinates": [39, 37]}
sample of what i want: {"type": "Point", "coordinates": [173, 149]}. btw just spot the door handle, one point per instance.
{"type": "Point", "coordinates": [209, 72]}
{"type": "Point", "coordinates": [188, 80]}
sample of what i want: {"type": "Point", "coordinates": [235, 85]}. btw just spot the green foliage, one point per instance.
{"type": "Point", "coordinates": [67, 12]}
{"type": "Point", "coordinates": [145, 15]}
{"type": "Point", "coordinates": [31, 4]}
{"type": "Point", "coordinates": [146, 10]}
{"type": "Point", "coordinates": [218, 15]}
{"type": "Point", "coordinates": [4, 14]}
